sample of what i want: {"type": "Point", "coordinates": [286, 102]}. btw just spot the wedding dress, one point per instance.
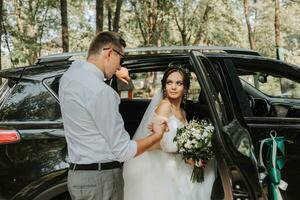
{"type": "Point", "coordinates": [163, 174]}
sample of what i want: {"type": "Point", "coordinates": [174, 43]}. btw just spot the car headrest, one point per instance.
{"type": "Point", "coordinates": [201, 97]}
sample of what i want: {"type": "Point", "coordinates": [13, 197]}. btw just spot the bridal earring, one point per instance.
{"type": "Point", "coordinates": [164, 93]}
{"type": "Point", "coordinates": [184, 97]}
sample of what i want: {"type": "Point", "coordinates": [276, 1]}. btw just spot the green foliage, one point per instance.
{"type": "Point", "coordinates": [34, 27]}
{"type": "Point", "coordinates": [26, 23]}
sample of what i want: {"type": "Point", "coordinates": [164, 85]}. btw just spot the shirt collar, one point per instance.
{"type": "Point", "coordinates": [95, 70]}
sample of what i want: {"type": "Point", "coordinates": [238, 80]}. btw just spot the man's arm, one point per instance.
{"type": "Point", "coordinates": [145, 143]}
{"type": "Point", "coordinates": [159, 124]}
{"type": "Point", "coordinates": [150, 141]}
{"type": "Point", "coordinates": [111, 127]}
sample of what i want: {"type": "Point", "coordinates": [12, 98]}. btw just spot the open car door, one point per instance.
{"type": "Point", "coordinates": [232, 144]}
{"type": "Point", "coordinates": [277, 113]}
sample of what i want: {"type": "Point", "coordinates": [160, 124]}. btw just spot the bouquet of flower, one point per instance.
{"type": "Point", "coordinates": [194, 142]}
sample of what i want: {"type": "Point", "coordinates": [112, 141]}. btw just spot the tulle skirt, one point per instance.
{"type": "Point", "coordinates": [156, 175]}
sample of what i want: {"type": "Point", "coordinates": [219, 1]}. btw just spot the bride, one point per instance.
{"type": "Point", "coordinates": [160, 173]}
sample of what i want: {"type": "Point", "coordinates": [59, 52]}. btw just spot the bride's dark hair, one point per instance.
{"type": "Point", "coordinates": [185, 76]}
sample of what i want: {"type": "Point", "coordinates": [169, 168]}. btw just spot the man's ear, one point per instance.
{"type": "Point", "coordinates": [106, 54]}
{"type": "Point", "coordinates": [109, 53]}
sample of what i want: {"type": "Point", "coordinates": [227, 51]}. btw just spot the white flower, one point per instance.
{"type": "Point", "coordinates": [195, 137]}
{"type": "Point", "coordinates": [198, 136]}
{"type": "Point", "coordinates": [187, 145]}
{"type": "Point", "coordinates": [210, 128]}
{"type": "Point", "coordinates": [205, 134]}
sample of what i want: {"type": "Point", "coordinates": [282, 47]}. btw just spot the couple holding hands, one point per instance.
{"type": "Point", "coordinates": [98, 143]}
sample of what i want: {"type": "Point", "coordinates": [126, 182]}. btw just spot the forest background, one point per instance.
{"type": "Point", "coordinates": [33, 28]}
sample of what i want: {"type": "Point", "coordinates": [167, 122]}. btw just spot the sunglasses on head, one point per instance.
{"type": "Point", "coordinates": [122, 57]}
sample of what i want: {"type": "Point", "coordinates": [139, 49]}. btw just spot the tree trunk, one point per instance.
{"type": "Point", "coordinates": [99, 16]}
{"type": "Point", "coordinates": [1, 24]}
{"type": "Point", "coordinates": [182, 29]}
{"type": "Point", "coordinates": [249, 28]}
{"type": "Point", "coordinates": [284, 85]}
{"type": "Point", "coordinates": [205, 19]}
{"type": "Point", "coordinates": [139, 21]}
{"type": "Point", "coordinates": [117, 15]}
{"type": "Point", "coordinates": [108, 7]}
{"type": "Point", "coordinates": [152, 91]}
{"type": "Point", "coordinates": [150, 16]}
{"type": "Point", "coordinates": [250, 36]}
{"type": "Point", "coordinates": [279, 52]}
{"type": "Point", "coordinates": [18, 16]}
{"type": "Point", "coordinates": [64, 25]}
{"type": "Point", "coordinates": [152, 20]}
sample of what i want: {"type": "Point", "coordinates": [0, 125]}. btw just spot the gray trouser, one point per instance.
{"type": "Point", "coordinates": [96, 185]}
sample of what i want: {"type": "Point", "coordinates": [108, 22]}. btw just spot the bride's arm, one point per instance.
{"type": "Point", "coordinates": [159, 122]}
{"type": "Point", "coordinates": [158, 127]}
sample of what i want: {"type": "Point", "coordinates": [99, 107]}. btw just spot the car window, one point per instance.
{"type": "Point", "coordinates": [195, 88]}
{"type": "Point", "coordinates": [52, 84]}
{"type": "Point", "coordinates": [217, 92]}
{"type": "Point", "coordinates": [143, 85]}
{"type": "Point", "coordinates": [3, 82]}
{"type": "Point", "coordinates": [274, 86]}
{"type": "Point", "coordinates": [240, 139]}
{"type": "Point", "coordinates": [29, 101]}
{"type": "Point", "coordinates": [3, 89]}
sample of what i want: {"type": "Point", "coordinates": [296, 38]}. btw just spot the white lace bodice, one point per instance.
{"type": "Point", "coordinates": [167, 144]}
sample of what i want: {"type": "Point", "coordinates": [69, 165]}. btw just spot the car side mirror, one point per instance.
{"type": "Point", "coordinates": [262, 78]}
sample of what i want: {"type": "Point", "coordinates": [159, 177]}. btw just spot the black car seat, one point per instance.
{"type": "Point", "coordinates": [199, 109]}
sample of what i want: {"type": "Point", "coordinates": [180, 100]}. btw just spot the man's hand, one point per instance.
{"type": "Point", "coordinates": [123, 75]}
{"type": "Point", "coordinates": [164, 124]}
{"type": "Point", "coordinates": [150, 127]}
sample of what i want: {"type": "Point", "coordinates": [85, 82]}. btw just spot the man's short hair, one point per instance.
{"type": "Point", "coordinates": [106, 39]}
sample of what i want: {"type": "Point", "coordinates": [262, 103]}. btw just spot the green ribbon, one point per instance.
{"type": "Point", "coordinates": [275, 161]}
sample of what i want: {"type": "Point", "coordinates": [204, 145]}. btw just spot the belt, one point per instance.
{"type": "Point", "coordinates": [96, 166]}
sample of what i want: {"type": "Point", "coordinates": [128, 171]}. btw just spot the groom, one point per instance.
{"type": "Point", "coordinates": [94, 129]}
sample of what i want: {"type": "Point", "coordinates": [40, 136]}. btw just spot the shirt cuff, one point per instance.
{"type": "Point", "coordinates": [132, 148]}
{"type": "Point", "coordinates": [130, 153]}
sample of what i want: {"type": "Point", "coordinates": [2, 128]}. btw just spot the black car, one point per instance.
{"type": "Point", "coordinates": [245, 95]}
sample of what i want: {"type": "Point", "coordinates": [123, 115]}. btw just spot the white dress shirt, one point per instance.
{"type": "Point", "coordinates": [94, 128]}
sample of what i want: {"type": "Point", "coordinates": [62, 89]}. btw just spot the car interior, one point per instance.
{"type": "Point", "coordinates": [261, 105]}
{"type": "Point", "coordinates": [133, 109]}
{"type": "Point", "coordinates": [275, 104]}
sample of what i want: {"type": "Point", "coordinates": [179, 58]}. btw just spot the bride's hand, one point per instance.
{"type": "Point", "coordinates": [200, 163]}
{"type": "Point", "coordinates": [190, 162]}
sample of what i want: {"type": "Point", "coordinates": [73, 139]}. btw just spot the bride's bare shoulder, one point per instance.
{"type": "Point", "coordinates": [164, 108]}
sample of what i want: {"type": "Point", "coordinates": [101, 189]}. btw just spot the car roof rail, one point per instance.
{"type": "Point", "coordinates": [58, 57]}
{"type": "Point", "coordinates": [230, 50]}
